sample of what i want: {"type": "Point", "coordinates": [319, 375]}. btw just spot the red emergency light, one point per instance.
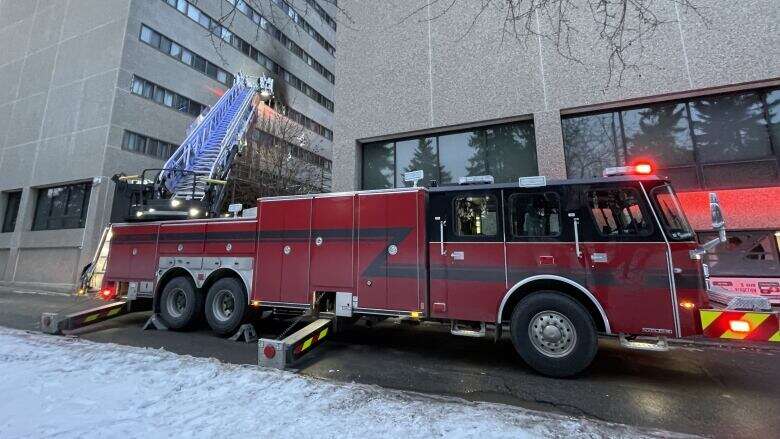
{"type": "Point", "coordinates": [108, 293]}
{"type": "Point", "coordinates": [640, 168]}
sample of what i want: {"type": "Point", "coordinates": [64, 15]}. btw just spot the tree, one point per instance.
{"type": "Point", "coordinates": [425, 159]}
{"type": "Point", "coordinates": [730, 127]}
{"type": "Point", "coordinates": [503, 152]}
{"type": "Point", "coordinates": [277, 159]}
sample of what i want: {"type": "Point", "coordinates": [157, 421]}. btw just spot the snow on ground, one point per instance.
{"type": "Point", "coordinates": [65, 387]}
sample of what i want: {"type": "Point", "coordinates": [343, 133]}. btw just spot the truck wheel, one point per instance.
{"type": "Point", "coordinates": [554, 334]}
{"type": "Point", "coordinates": [180, 305]}
{"type": "Point", "coordinates": [226, 306]}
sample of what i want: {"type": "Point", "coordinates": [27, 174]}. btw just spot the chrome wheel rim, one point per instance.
{"type": "Point", "coordinates": [223, 306]}
{"type": "Point", "coordinates": [176, 303]}
{"type": "Point", "coordinates": [552, 334]}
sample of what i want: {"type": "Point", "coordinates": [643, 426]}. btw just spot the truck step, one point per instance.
{"type": "Point", "coordinates": [645, 344]}
{"type": "Point", "coordinates": [468, 331]}
{"type": "Point", "coordinates": [281, 354]}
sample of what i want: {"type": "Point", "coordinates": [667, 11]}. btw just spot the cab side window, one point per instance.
{"type": "Point", "coordinates": [535, 215]}
{"type": "Point", "coordinates": [618, 213]}
{"type": "Point", "coordinates": [476, 216]}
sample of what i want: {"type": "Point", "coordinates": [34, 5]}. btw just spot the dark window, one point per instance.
{"type": "Point", "coordinates": [61, 207]}
{"type": "Point", "coordinates": [146, 145]}
{"type": "Point", "coordinates": [720, 141]}
{"type": "Point", "coordinates": [535, 215]}
{"type": "Point", "coordinates": [618, 213]}
{"type": "Point", "coordinates": [672, 216]}
{"type": "Point", "coordinates": [592, 143]}
{"type": "Point", "coordinates": [476, 216]}
{"type": "Point", "coordinates": [378, 165]}
{"type": "Point", "coordinates": [506, 152]}
{"type": "Point", "coordinates": [12, 200]}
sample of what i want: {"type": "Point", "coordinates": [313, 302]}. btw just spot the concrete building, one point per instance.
{"type": "Point", "coordinates": [92, 88]}
{"type": "Point", "coordinates": [444, 88]}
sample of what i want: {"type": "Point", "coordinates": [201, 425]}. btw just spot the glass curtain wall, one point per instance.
{"type": "Point", "coordinates": [506, 152]}
{"type": "Point", "coordinates": [711, 142]}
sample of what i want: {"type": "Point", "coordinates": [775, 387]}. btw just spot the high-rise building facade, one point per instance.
{"type": "Point", "coordinates": [93, 88]}
{"type": "Point", "coordinates": [441, 88]}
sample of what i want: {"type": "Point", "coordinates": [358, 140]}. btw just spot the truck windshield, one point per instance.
{"type": "Point", "coordinates": [672, 216]}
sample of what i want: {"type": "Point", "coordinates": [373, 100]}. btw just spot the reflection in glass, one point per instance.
{"type": "Point", "coordinates": [457, 155]}
{"type": "Point", "coordinates": [660, 132]}
{"type": "Point", "coordinates": [773, 102]}
{"type": "Point", "coordinates": [378, 166]}
{"type": "Point", "coordinates": [592, 143]}
{"type": "Point", "coordinates": [418, 155]}
{"type": "Point", "coordinates": [509, 152]}
{"type": "Point", "coordinates": [730, 127]}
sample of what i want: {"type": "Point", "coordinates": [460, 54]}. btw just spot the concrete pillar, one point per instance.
{"type": "Point", "coordinates": [549, 144]}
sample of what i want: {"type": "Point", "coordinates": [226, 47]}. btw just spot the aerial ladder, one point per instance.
{"type": "Point", "coordinates": [191, 184]}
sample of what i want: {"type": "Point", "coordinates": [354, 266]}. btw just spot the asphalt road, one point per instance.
{"type": "Point", "coordinates": [720, 392]}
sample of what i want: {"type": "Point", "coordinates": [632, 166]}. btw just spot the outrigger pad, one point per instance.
{"type": "Point", "coordinates": [245, 333]}
{"type": "Point", "coordinates": [155, 322]}
{"type": "Point", "coordinates": [50, 323]}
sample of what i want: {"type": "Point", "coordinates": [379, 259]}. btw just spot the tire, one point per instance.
{"type": "Point", "coordinates": [181, 307]}
{"type": "Point", "coordinates": [226, 306]}
{"type": "Point", "coordinates": [554, 334]}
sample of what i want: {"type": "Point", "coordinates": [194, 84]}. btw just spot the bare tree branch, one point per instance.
{"type": "Point", "coordinates": [621, 26]}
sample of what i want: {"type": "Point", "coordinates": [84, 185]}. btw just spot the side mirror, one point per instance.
{"type": "Point", "coordinates": [718, 223]}
{"type": "Point", "coordinates": [717, 214]}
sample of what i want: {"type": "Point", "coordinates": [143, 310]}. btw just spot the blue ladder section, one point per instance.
{"type": "Point", "coordinates": [207, 151]}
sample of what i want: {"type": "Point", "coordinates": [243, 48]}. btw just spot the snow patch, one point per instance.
{"type": "Point", "coordinates": [65, 387]}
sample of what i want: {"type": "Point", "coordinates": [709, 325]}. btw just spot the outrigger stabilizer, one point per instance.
{"type": "Point", "coordinates": [55, 323]}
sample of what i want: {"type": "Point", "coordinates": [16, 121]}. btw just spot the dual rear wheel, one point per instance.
{"type": "Point", "coordinates": [224, 306]}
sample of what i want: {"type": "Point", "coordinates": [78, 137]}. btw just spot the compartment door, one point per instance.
{"type": "Point", "coordinates": [132, 253]}
{"type": "Point", "coordinates": [283, 251]}
{"type": "Point", "coordinates": [389, 262]}
{"type": "Point", "coordinates": [332, 244]}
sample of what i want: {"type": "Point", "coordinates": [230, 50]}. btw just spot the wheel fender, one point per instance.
{"type": "Point", "coordinates": [551, 277]}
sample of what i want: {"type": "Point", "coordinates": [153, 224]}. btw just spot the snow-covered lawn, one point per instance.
{"type": "Point", "coordinates": [63, 387]}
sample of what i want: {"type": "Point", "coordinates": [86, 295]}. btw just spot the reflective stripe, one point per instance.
{"type": "Point", "coordinates": [764, 326]}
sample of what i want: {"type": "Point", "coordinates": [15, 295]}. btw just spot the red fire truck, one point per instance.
{"type": "Point", "coordinates": [557, 263]}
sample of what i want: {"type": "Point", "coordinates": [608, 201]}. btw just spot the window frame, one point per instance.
{"type": "Point", "coordinates": [451, 230]}
{"type": "Point", "coordinates": [698, 165]}
{"type": "Point", "coordinates": [82, 218]}
{"type": "Point", "coordinates": [511, 236]}
{"type": "Point", "coordinates": [647, 216]}
{"type": "Point", "coordinates": [6, 219]}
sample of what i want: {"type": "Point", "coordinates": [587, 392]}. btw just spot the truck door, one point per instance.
{"type": "Point", "coordinates": [627, 259]}
{"type": "Point", "coordinates": [466, 248]}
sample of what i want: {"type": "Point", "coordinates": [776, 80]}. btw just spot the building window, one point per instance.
{"type": "Point", "coordinates": [62, 207]}
{"type": "Point", "coordinates": [213, 26]}
{"type": "Point", "coordinates": [711, 142]}
{"type": "Point", "coordinates": [506, 152]}
{"type": "Point", "coordinates": [170, 48]}
{"type": "Point", "coordinates": [145, 145]}
{"type": "Point", "coordinates": [12, 200]}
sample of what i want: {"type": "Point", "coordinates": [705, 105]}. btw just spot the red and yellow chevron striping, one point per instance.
{"type": "Point", "coordinates": [741, 325]}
